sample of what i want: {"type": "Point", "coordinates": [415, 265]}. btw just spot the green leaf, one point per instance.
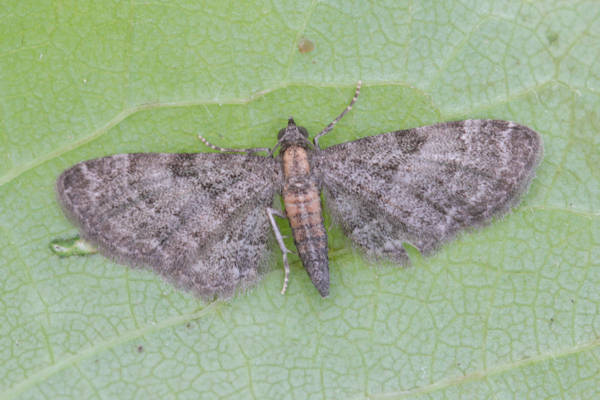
{"type": "Point", "coordinates": [509, 311]}
{"type": "Point", "coordinates": [74, 246]}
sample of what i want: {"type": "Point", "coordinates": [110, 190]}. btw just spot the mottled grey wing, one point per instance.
{"type": "Point", "coordinates": [197, 219]}
{"type": "Point", "coordinates": [424, 185]}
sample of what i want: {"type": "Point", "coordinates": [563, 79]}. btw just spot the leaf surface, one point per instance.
{"type": "Point", "coordinates": [509, 311]}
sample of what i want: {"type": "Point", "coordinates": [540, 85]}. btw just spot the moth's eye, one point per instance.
{"type": "Point", "coordinates": [303, 131]}
{"type": "Point", "coordinates": [280, 134]}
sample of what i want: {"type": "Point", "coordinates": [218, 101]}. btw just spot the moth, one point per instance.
{"type": "Point", "coordinates": [203, 220]}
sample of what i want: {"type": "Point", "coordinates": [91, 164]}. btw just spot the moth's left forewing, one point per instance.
{"type": "Point", "coordinates": [424, 185]}
{"type": "Point", "coordinates": [199, 220]}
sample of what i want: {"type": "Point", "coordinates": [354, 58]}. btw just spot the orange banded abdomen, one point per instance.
{"type": "Point", "coordinates": [303, 209]}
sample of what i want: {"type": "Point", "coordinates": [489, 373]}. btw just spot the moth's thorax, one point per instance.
{"type": "Point", "coordinates": [300, 191]}
{"type": "Point", "coordinates": [303, 209]}
{"type": "Point", "coordinates": [295, 162]}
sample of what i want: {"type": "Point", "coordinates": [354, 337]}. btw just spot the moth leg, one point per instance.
{"type": "Point", "coordinates": [329, 127]}
{"type": "Point", "coordinates": [279, 238]}
{"type": "Point", "coordinates": [228, 150]}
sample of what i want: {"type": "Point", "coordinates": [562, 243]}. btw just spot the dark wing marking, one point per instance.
{"type": "Point", "coordinates": [423, 185]}
{"type": "Point", "coordinates": [197, 219]}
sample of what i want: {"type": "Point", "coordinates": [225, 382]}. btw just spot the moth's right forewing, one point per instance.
{"type": "Point", "coordinates": [426, 184]}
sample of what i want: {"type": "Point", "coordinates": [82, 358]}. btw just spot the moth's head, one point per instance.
{"type": "Point", "coordinates": [293, 135]}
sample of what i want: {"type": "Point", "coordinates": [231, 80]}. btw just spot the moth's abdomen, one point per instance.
{"type": "Point", "coordinates": [303, 209]}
